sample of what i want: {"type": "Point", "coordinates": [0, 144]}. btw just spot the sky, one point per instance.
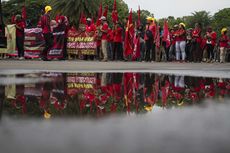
{"type": "Point", "coordinates": [178, 8]}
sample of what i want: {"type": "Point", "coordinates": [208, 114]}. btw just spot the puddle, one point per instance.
{"type": "Point", "coordinates": [113, 112]}
{"type": "Point", "coordinates": [79, 95]}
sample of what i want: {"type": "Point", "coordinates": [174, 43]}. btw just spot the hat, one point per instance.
{"type": "Point", "coordinates": [224, 30]}
{"type": "Point", "coordinates": [18, 17]}
{"type": "Point", "coordinates": [103, 18]}
{"type": "Point", "coordinates": [175, 26]}
{"type": "Point", "coordinates": [182, 24]}
{"type": "Point", "coordinates": [89, 19]}
{"type": "Point", "coordinates": [150, 18]}
{"type": "Point", "coordinates": [48, 8]}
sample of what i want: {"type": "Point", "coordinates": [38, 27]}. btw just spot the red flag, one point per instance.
{"type": "Point", "coordinates": [166, 36]}
{"type": "Point", "coordinates": [24, 13]}
{"type": "Point", "coordinates": [99, 15]}
{"type": "Point", "coordinates": [83, 18]}
{"type": "Point", "coordinates": [157, 36]}
{"type": "Point", "coordinates": [139, 16]}
{"type": "Point", "coordinates": [137, 47]}
{"type": "Point", "coordinates": [114, 13]}
{"type": "Point", "coordinates": [129, 35]}
{"type": "Point", "coordinates": [105, 11]}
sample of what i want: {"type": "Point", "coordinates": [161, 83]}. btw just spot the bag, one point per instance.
{"type": "Point", "coordinates": [149, 34]}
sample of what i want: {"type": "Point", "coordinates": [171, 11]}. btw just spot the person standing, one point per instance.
{"type": "Point", "coordinates": [223, 44]}
{"type": "Point", "coordinates": [46, 30]}
{"type": "Point", "coordinates": [118, 48]}
{"type": "Point", "coordinates": [180, 35]}
{"type": "Point", "coordinates": [104, 39]}
{"type": "Point", "coordinates": [90, 29]}
{"type": "Point", "coordinates": [150, 32]}
{"type": "Point", "coordinates": [20, 26]}
{"type": "Point", "coordinates": [196, 43]}
{"type": "Point", "coordinates": [210, 38]}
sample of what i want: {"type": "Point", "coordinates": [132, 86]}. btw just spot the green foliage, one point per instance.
{"type": "Point", "coordinates": [74, 8]}
{"type": "Point", "coordinates": [221, 19]}
{"type": "Point", "coordinates": [33, 9]}
{"type": "Point", "coordinates": [122, 9]}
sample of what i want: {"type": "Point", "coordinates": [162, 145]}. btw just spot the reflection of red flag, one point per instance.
{"type": "Point", "coordinates": [129, 35]}
{"type": "Point", "coordinates": [99, 15]}
{"type": "Point", "coordinates": [24, 13]}
{"type": "Point", "coordinates": [139, 16]}
{"type": "Point", "coordinates": [114, 13]}
{"type": "Point", "coordinates": [105, 11]}
{"type": "Point", "coordinates": [83, 18]}
{"type": "Point", "coordinates": [166, 36]}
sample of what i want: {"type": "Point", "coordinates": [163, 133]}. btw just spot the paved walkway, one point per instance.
{"type": "Point", "coordinates": [203, 69]}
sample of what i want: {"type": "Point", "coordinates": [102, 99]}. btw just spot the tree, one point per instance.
{"type": "Point", "coordinates": [33, 8]}
{"type": "Point", "coordinates": [202, 17]}
{"type": "Point", "coordinates": [221, 19]}
{"type": "Point", "coordinates": [74, 8]}
{"type": "Point", "coordinates": [122, 9]}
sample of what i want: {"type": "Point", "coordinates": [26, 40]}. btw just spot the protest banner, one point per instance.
{"type": "Point", "coordinates": [79, 43]}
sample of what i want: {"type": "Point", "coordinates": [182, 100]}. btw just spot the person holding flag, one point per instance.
{"type": "Point", "coordinates": [46, 30]}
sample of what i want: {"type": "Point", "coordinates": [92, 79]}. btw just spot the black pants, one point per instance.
{"type": "Point", "coordinates": [117, 51]}
{"type": "Point", "coordinates": [65, 49]}
{"type": "Point", "coordinates": [20, 46]}
{"type": "Point", "coordinates": [48, 44]}
{"type": "Point", "coordinates": [150, 51]}
{"type": "Point", "coordinates": [210, 49]}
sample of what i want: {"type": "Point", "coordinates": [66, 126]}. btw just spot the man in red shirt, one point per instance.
{"type": "Point", "coordinates": [117, 49]}
{"type": "Point", "coordinates": [149, 39]}
{"type": "Point", "coordinates": [20, 26]}
{"type": "Point", "coordinates": [46, 30]}
{"type": "Point", "coordinates": [104, 39]}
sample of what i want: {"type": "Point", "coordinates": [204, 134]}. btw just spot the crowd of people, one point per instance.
{"type": "Point", "coordinates": [183, 45]}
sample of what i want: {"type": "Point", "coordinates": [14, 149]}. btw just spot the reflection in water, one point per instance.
{"type": "Point", "coordinates": [98, 94]}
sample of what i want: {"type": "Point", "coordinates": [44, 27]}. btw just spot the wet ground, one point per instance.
{"type": "Point", "coordinates": [113, 112]}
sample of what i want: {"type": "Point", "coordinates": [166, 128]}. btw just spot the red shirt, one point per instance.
{"type": "Point", "coordinates": [45, 24]}
{"type": "Point", "coordinates": [196, 34]}
{"type": "Point", "coordinates": [20, 32]}
{"type": "Point", "coordinates": [105, 27]}
{"type": "Point", "coordinates": [213, 38]}
{"type": "Point", "coordinates": [91, 28]}
{"type": "Point", "coordinates": [224, 41]}
{"type": "Point", "coordinates": [180, 35]}
{"type": "Point", "coordinates": [118, 35]}
{"type": "Point", "coordinates": [110, 37]}
{"type": "Point", "coordinates": [152, 28]}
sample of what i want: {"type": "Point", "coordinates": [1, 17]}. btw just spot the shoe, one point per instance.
{"type": "Point", "coordinates": [104, 60]}
{"type": "Point", "coordinates": [21, 58]}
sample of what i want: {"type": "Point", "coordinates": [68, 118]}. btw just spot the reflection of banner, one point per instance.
{"type": "Point", "coordinates": [79, 81]}
{"type": "Point", "coordinates": [34, 42]}
{"type": "Point", "coordinates": [79, 43]}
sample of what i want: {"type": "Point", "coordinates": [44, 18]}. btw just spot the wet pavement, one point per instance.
{"type": "Point", "coordinates": [113, 112]}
